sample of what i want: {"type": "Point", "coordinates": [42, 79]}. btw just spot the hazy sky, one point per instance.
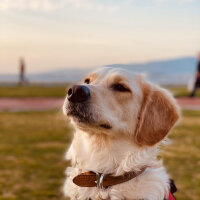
{"type": "Point", "coordinates": [52, 34]}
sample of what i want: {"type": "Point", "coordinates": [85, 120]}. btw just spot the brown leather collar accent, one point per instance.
{"type": "Point", "coordinates": [92, 179]}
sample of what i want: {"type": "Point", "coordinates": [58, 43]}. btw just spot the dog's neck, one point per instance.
{"type": "Point", "coordinates": [101, 153]}
{"type": "Point", "coordinates": [116, 156]}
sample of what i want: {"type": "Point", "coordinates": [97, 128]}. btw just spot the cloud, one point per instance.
{"type": "Point", "coordinates": [51, 5]}
{"type": "Point", "coordinates": [178, 1]}
{"type": "Point", "coordinates": [26, 5]}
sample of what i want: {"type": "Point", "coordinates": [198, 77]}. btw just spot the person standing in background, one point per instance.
{"type": "Point", "coordinates": [197, 78]}
{"type": "Point", "coordinates": [21, 72]}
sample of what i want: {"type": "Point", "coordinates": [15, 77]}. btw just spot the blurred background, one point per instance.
{"type": "Point", "coordinates": [47, 45]}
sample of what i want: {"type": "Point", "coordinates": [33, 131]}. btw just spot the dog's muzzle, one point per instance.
{"type": "Point", "coordinates": [78, 105]}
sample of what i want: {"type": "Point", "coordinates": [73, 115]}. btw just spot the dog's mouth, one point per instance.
{"type": "Point", "coordinates": [81, 113]}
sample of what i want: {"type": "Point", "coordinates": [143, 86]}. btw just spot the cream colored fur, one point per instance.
{"type": "Point", "coordinates": [117, 150]}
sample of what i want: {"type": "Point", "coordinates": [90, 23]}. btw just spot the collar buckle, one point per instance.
{"type": "Point", "coordinates": [99, 180]}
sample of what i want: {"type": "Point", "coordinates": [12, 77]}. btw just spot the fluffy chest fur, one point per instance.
{"type": "Point", "coordinates": [115, 156]}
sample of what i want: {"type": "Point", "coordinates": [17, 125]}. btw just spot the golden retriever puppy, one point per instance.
{"type": "Point", "coordinates": [119, 119]}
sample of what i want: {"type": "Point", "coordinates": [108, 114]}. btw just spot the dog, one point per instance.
{"type": "Point", "coordinates": [120, 119]}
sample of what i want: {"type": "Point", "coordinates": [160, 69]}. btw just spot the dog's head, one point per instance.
{"type": "Point", "coordinates": [119, 103]}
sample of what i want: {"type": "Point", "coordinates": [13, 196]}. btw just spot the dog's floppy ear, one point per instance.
{"type": "Point", "coordinates": [157, 116]}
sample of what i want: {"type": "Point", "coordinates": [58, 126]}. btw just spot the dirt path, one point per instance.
{"type": "Point", "coordinates": [42, 104]}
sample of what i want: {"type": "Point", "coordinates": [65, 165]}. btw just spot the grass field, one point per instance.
{"type": "Point", "coordinates": [181, 91]}
{"type": "Point", "coordinates": [60, 91]}
{"type": "Point", "coordinates": [33, 91]}
{"type": "Point", "coordinates": [32, 146]}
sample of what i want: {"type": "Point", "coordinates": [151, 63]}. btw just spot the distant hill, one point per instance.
{"type": "Point", "coordinates": [173, 71]}
{"type": "Point", "coordinates": [169, 72]}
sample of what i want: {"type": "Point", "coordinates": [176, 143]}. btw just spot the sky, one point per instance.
{"type": "Point", "coordinates": [54, 34]}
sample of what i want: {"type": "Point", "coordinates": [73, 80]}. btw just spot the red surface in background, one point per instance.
{"type": "Point", "coordinates": [39, 104]}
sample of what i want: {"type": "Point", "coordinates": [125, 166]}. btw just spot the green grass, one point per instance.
{"type": "Point", "coordinates": [60, 91]}
{"type": "Point", "coordinates": [33, 91]}
{"type": "Point", "coordinates": [32, 146]}
{"type": "Point", "coordinates": [181, 91]}
{"type": "Point", "coordinates": [182, 157]}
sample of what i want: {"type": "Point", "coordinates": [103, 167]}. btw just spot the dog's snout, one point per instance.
{"type": "Point", "coordinates": [78, 94]}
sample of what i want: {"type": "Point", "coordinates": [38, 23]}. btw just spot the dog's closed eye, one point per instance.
{"type": "Point", "coordinates": [120, 88]}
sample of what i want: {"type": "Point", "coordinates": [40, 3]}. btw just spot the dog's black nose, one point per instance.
{"type": "Point", "coordinates": [78, 94]}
